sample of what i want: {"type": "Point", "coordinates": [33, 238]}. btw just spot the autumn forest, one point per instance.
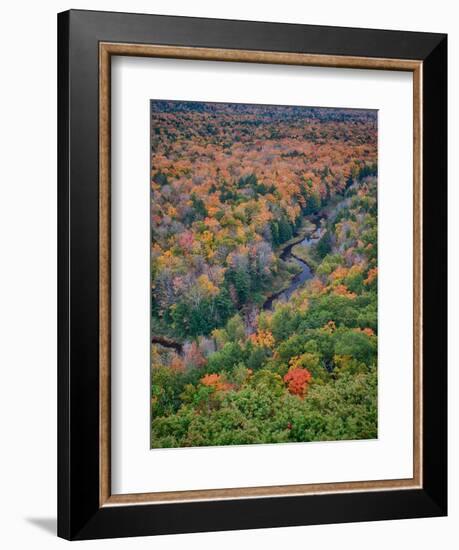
{"type": "Point", "coordinates": [263, 274]}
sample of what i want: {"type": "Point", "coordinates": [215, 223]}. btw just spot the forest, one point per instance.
{"type": "Point", "coordinates": [263, 274]}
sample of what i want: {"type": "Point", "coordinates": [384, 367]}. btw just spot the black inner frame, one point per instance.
{"type": "Point", "coordinates": [79, 514]}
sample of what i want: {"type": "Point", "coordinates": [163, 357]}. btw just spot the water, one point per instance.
{"type": "Point", "coordinates": [304, 275]}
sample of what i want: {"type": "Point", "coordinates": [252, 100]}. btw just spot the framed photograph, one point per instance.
{"type": "Point", "coordinates": [252, 275]}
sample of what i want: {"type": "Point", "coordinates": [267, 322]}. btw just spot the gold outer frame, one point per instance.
{"type": "Point", "coordinates": [106, 51]}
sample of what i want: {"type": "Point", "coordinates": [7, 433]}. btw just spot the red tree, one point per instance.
{"type": "Point", "coordinates": [297, 381]}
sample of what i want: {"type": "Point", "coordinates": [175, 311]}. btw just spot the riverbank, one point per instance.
{"type": "Point", "coordinates": [293, 272]}
{"type": "Point", "coordinates": [304, 254]}
{"type": "Point", "coordinates": [167, 343]}
{"type": "Point", "coordinates": [304, 231]}
{"type": "Point", "coordinates": [304, 238]}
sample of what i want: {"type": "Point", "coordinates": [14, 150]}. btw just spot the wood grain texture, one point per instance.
{"type": "Point", "coordinates": [246, 56]}
{"type": "Point", "coordinates": [417, 275]}
{"type": "Point", "coordinates": [255, 492]}
{"type": "Point", "coordinates": [104, 275]}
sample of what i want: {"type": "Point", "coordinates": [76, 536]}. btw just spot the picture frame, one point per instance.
{"type": "Point", "coordinates": [87, 41]}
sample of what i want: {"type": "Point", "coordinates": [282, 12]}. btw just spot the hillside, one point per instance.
{"type": "Point", "coordinates": [234, 189]}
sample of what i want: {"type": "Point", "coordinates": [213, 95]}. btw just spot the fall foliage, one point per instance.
{"type": "Point", "coordinates": [297, 380]}
{"type": "Point", "coordinates": [268, 343]}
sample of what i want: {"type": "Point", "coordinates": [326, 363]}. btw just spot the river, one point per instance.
{"type": "Point", "coordinates": [284, 295]}
{"type": "Point", "coordinates": [299, 279]}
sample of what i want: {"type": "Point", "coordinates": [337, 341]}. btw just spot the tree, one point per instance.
{"type": "Point", "coordinates": [324, 246]}
{"type": "Point", "coordinates": [231, 184]}
{"type": "Point", "coordinates": [225, 359]}
{"type": "Point", "coordinates": [275, 233]}
{"type": "Point", "coordinates": [357, 345]}
{"type": "Point", "coordinates": [285, 230]}
{"type": "Point", "coordinates": [199, 206]}
{"type": "Point", "coordinates": [240, 280]}
{"type": "Point", "coordinates": [297, 380]}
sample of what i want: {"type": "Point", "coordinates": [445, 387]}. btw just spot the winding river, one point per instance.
{"type": "Point", "coordinates": [302, 276]}
{"type": "Point", "coordinates": [284, 295]}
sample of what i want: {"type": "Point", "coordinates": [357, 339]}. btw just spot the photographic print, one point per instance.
{"type": "Point", "coordinates": [263, 274]}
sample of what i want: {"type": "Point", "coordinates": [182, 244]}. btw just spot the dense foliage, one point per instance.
{"type": "Point", "coordinates": [231, 187]}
